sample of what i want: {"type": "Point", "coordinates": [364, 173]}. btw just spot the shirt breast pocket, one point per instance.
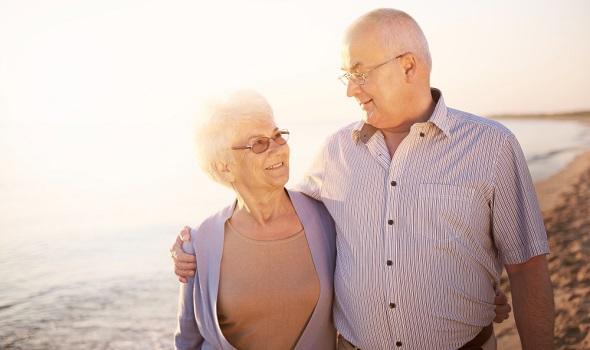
{"type": "Point", "coordinates": [444, 211]}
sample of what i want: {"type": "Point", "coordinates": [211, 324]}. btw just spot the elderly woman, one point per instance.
{"type": "Point", "coordinates": [265, 263]}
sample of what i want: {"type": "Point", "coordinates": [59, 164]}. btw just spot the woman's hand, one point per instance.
{"type": "Point", "coordinates": [502, 307]}
{"type": "Point", "coordinates": [185, 264]}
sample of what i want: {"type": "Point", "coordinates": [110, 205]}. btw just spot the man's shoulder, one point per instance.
{"type": "Point", "coordinates": [344, 133]}
{"type": "Point", "coordinates": [341, 137]}
{"type": "Point", "coordinates": [469, 121]}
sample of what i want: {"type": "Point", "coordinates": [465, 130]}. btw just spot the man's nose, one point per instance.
{"type": "Point", "coordinates": [352, 88]}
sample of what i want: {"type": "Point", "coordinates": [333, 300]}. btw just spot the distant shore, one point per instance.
{"type": "Point", "coordinates": [581, 116]}
{"type": "Point", "coordinates": [564, 199]}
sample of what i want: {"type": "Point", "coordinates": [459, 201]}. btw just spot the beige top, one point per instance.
{"type": "Point", "coordinates": [267, 290]}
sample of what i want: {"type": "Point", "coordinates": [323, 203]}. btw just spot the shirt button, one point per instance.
{"type": "Point", "coordinates": [390, 222]}
{"type": "Point", "coordinates": [398, 343]}
{"type": "Point", "coordinates": [392, 305]}
{"type": "Point", "coordinates": [393, 183]}
{"type": "Point", "coordinates": [421, 135]}
{"type": "Point", "coordinates": [389, 262]}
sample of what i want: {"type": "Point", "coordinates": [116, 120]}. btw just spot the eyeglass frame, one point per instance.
{"type": "Point", "coordinates": [279, 134]}
{"type": "Point", "coordinates": [361, 77]}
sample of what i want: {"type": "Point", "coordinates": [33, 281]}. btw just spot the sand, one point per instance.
{"type": "Point", "coordinates": [565, 202]}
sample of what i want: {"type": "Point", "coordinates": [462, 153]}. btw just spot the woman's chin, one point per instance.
{"type": "Point", "coordinates": [281, 182]}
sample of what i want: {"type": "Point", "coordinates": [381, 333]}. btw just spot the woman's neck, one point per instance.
{"type": "Point", "coordinates": [262, 208]}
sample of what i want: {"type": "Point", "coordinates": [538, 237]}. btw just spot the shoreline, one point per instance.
{"type": "Point", "coordinates": [564, 199]}
{"type": "Point", "coordinates": [580, 116]}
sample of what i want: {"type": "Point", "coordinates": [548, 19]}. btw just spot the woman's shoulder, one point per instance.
{"type": "Point", "coordinates": [302, 200]}
{"type": "Point", "coordinates": [211, 226]}
{"type": "Point", "coordinates": [305, 205]}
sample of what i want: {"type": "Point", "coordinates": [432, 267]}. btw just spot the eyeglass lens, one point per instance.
{"type": "Point", "coordinates": [260, 145]}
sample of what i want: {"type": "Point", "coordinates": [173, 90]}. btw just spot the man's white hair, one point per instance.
{"type": "Point", "coordinates": [225, 119]}
{"type": "Point", "coordinates": [400, 32]}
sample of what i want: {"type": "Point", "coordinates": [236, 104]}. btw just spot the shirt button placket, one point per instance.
{"type": "Point", "coordinates": [392, 246]}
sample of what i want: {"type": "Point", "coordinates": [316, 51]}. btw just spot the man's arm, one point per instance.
{"type": "Point", "coordinates": [532, 298]}
{"type": "Point", "coordinates": [185, 264]}
{"type": "Point", "coordinates": [520, 237]}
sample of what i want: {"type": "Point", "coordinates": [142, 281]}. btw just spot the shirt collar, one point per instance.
{"type": "Point", "coordinates": [363, 132]}
{"type": "Point", "coordinates": [440, 116]}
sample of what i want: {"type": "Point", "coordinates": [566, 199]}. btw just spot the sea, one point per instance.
{"type": "Point", "coordinates": [87, 216]}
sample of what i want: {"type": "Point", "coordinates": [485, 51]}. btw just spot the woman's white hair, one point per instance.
{"type": "Point", "coordinates": [223, 122]}
{"type": "Point", "coordinates": [400, 32]}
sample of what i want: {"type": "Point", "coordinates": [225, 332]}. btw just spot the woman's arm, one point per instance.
{"type": "Point", "coordinates": [187, 335]}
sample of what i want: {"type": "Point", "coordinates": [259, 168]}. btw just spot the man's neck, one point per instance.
{"type": "Point", "coordinates": [424, 107]}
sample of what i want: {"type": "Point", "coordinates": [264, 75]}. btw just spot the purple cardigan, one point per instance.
{"type": "Point", "coordinates": [198, 326]}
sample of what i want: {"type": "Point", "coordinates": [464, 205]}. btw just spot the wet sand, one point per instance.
{"type": "Point", "coordinates": [565, 201]}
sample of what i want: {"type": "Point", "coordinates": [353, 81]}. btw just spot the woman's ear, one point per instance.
{"type": "Point", "coordinates": [225, 171]}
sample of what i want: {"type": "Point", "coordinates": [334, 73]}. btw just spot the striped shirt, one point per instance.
{"type": "Point", "coordinates": [422, 236]}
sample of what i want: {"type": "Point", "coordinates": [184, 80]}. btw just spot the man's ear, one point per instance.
{"type": "Point", "coordinates": [409, 66]}
{"type": "Point", "coordinates": [225, 171]}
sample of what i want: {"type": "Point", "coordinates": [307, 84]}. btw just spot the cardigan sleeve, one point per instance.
{"type": "Point", "coordinates": [187, 335]}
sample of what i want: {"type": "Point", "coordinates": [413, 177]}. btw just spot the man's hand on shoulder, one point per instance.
{"type": "Point", "coordinates": [185, 264]}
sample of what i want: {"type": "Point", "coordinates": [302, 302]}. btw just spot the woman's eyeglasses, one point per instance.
{"type": "Point", "coordinates": [261, 144]}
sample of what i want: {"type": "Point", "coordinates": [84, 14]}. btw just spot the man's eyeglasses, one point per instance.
{"type": "Point", "coordinates": [261, 144]}
{"type": "Point", "coordinates": [361, 78]}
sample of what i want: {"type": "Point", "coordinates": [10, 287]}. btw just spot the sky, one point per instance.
{"type": "Point", "coordinates": [98, 98]}
{"type": "Point", "coordinates": [130, 61]}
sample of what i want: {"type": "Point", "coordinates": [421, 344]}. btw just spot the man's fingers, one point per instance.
{"type": "Point", "coordinates": [178, 255]}
{"type": "Point", "coordinates": [185, 234]}
{"type": "Point", "coordinates": [185, 265]}
{"type": "Point", "coordinates": [184, 273]}
{"type": "Point", "coordinates": [181, 257]}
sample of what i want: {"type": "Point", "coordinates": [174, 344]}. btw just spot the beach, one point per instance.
{"type": "Point", "coordinates": [564, 199]}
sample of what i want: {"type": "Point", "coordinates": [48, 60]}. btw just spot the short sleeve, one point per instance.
{"type": "Point", "coordinates": [518, 229]}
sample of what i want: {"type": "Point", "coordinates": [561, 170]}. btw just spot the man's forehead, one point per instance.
{"type": "Point", "coordinates": [359, 56]}
{"type": "Point", "coordinates": [360, 48]}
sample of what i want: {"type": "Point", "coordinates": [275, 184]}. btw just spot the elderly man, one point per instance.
{"type": "Point", "coordinates": [430, 203]}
